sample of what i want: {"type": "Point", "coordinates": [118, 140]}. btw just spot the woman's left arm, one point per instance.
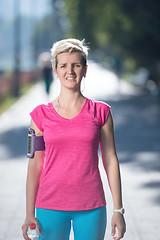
{"type": "Point", "coordinates": [111, 166]}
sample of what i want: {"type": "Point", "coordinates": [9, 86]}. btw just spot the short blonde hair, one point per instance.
{"type": "Point", "coordinates": [69, 45]}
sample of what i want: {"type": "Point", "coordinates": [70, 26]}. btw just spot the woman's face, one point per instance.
{"type": "Point", "coordinates": [70, 70]}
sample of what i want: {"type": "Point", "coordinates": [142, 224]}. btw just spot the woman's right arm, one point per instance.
{"type": "Point", "coordinates": [33, 176]}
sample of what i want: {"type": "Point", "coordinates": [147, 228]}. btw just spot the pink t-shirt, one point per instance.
{"type": "Point", "coordinates": [70, 179]}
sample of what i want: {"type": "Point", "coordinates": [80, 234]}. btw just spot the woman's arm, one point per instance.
{"type": "Point", "coordinates": [111, 166]}
{"type": "Point", "coordinates": [34, 171]}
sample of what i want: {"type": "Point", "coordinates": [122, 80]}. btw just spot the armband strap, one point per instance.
{"type": "Point", "coordinates": [35, 143]}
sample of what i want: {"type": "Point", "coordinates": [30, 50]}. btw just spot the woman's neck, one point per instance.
{"type": "Point", "coordinates": [70, 99]}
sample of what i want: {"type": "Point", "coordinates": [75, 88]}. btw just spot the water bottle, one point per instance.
{"type": "Point", "coordinates": [32, 232]}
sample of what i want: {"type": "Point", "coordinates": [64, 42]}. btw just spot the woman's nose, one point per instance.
{"type": "Point", "coordinates": [70, 69]}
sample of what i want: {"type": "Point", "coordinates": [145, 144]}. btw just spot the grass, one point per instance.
{"type": "Point", "coordinates": [10, 100]}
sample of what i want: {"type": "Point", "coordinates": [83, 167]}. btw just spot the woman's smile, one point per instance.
{"type": "Point", "coordinates": [71, 78]}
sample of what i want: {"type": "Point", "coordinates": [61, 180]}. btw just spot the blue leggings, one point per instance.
{"type": "Point", "coordinates": [87, 225]}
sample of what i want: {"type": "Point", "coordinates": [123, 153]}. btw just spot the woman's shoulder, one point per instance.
{"type": "Point", "coordinates": [98, 104]}
{"type": "Point", "coordinates": [43, 107]}
{"type": "Point", "coordinates": [100, 110]}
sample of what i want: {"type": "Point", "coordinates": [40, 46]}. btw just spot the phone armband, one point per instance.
{"type": "Point", "coordinates": [35, 143]}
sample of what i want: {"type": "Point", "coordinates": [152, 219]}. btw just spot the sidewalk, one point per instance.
{"type": "Point", "coordinates": [137, 132]}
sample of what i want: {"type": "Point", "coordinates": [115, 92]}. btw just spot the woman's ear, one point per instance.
{"type": "Point", "coordinates": [85, 70]}
{"type": "Point", "coordinates": [55, 72]}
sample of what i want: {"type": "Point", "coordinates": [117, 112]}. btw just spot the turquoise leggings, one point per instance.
{"type": "Point", "coordinates": [87, 225]}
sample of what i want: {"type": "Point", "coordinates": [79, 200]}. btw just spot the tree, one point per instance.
{"type": "Point", "coordinates": [122, 28]}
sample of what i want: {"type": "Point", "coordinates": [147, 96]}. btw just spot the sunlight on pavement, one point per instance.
{"type": "Point", "coordinates": [139, 164]}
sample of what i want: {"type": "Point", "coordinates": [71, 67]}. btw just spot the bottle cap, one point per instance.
{"type": "Point", "coordinates": [32, 226]}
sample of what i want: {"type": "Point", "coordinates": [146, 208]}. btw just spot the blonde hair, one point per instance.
{"type": "Point", "coordinates": [69, 45]}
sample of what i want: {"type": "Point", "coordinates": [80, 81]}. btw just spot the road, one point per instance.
{"type": "Point", "coordinates": [137, 132]}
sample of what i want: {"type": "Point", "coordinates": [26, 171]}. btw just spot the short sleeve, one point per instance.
{"type": "Point", "coordinates": [37, 116]}
{"type": "Point", "coordinates": [102, 112]}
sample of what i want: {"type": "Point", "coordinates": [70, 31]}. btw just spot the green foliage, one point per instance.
{"type": "Point", "coordinates": [122, 28]}
{"type": "Point", "coordinates": [9, 100]}
{"type": "Point", "coordinates": [83, 19]}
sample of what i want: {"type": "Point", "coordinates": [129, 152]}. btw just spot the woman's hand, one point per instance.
{"type": "Point", "coordinates": [119, 223]}
{"type": "Point", "coordinates": [26, 224]}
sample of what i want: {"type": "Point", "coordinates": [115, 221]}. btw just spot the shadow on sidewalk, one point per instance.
{"type": "Point", "coordinates": [137, 135]}
{"type": "Point", "coordinates": [13, 143]}
{"type": "Point", "coordinates": [137, 124]}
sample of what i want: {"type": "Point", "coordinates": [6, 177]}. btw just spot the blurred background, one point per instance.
{"type": "Point", "coordinates": [124, 71]}
{"type": "Point", "coordinates": [26, 30]}
{"type": "Point", "coordinates": [123, 35]}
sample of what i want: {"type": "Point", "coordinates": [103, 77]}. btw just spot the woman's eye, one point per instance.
{"type": "Point", "coordinates": [78, 65]}
{"type": "Point", "coordinates": [62, 66]}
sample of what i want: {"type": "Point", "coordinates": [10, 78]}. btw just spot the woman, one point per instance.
{"type": "Point", "coordinates": [64, 183]}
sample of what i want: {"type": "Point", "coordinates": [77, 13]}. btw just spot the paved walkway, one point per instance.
{"type": "Point", "coordinates": [137, 132]}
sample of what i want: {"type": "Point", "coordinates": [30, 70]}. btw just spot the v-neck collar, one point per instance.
{"type": "Point", "coordinates": [69, 119]}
